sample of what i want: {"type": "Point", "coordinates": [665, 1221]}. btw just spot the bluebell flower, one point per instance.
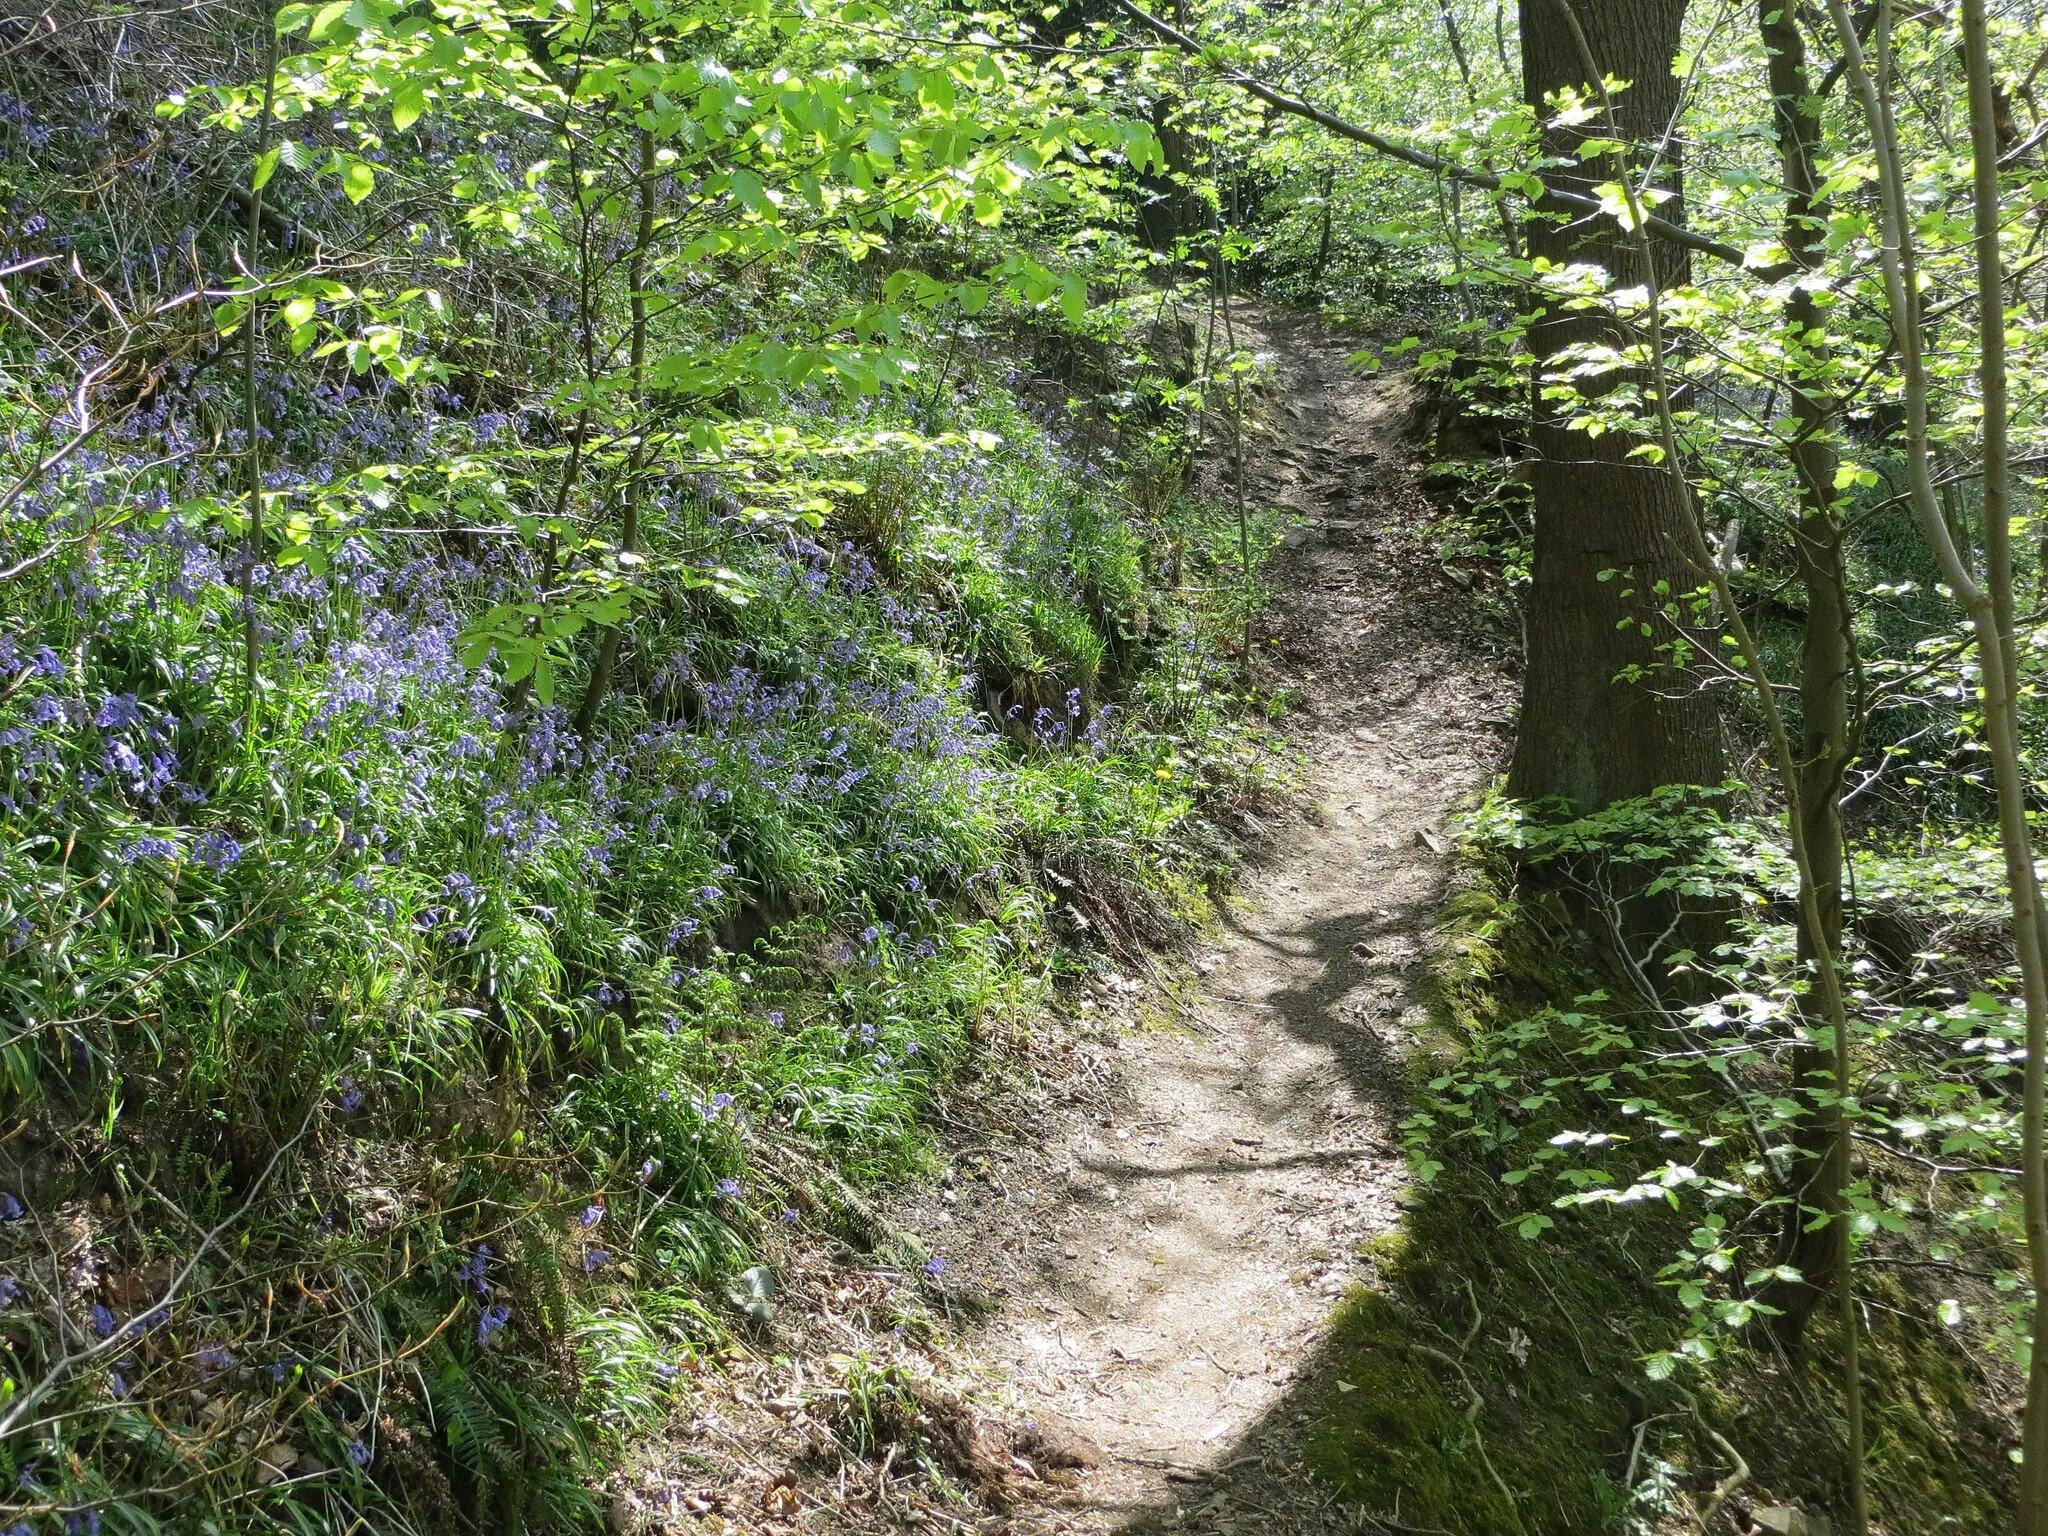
{"type": "Point", "coordinates": [120, 758]}
{"type": "Point", "coordinates": [213, 1359]}
{"type": "Point", "coordinates": [728, 1189]}
{"type": "Point", "coordinates": [475, 1272]}
{"type": "Point", "coordinates": [103, 1322]}
{"type": "Point", "coordinates": [11, 1208]}
{"type": "Point", "coordinates": [592, 1215]}
{"type": "Point", "coordinates": [217, 851]}
{"type": "Point", "coordinates": [359, 1453]}
{"type": "Point", "coordinates": [493, 1319]}
{"type": "Point", "coordinates": [595, 1260]}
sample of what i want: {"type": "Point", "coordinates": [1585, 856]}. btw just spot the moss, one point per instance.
{"type": "Point", "coordinates": [1539, 1331]}
{"type": "Point", "coordinates": [1551, 1334]}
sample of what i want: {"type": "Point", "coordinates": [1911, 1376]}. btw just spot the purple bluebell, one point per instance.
{"type": "Point", "coordinates": [217, 851]}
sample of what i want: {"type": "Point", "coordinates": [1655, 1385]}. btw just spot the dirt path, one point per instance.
{"type": "Point", "coordinates": [1169, 1258]}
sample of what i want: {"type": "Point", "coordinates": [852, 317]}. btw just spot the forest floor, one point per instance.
{"type": "Point", "coordinates": [1146, 1233]}
{"type": "Point", "coordinates": [1168, 1249]}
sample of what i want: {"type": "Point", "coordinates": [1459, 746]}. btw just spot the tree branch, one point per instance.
{"type": "Point", "coordinates": [1663, 229]}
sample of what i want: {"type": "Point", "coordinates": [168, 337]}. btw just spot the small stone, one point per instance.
{"type": "Point", "coordinates": [1791, 1520]}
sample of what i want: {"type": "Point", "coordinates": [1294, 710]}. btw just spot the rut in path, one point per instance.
{"type": "Point", "coordinates": [1170, 1275]}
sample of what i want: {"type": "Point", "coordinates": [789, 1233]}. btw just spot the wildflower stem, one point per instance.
{"type": "Point", "coordinates": [251, 325]}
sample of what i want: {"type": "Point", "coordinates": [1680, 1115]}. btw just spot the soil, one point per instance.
{"type": "Point", "coordinates": [1168, 1253]}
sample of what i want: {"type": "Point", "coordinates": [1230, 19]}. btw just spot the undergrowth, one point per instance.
{"type": "Point", "coordinates": [1571, 1330]}
{"type": "Point", "coordinates": [448, 940]}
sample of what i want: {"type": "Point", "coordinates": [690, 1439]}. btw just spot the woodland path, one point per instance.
{"type": "Point", "coordinates": [1170, 1252]}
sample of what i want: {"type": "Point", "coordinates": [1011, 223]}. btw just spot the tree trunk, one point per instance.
{"type": "Point", "coordinates": [1606, 715]}
{"type": "Point", "coordinates": [1169, 209]}
{"type": "Point", "coordinates": [1323, 239]}
{"type": "Point", "coordinates": [1818, 1252]}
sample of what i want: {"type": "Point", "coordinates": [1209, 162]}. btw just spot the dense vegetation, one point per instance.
{"type": "Point", "coordinates": [595, 598]}
{"type": "Point", "coordinates": [565, 659]}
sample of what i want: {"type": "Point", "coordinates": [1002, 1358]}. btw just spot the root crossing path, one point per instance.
{"type": "Point", "coordinates": [1170, 1253]}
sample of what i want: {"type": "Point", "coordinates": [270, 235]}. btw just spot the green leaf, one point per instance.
{"type": "Point", "coordinates": [1074, 297]}
{"type": "Point", "coordinates": [746, 186]}
{"type": "Point", "coordinates": [407, 106]}
{"type": "Point", "coordinates": [326, 18]}
{"type": "Point", "coordinates": [358, 180]}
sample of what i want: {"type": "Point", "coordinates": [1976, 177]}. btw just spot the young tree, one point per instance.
{"type": "Point", "coordinates": [1818, 1250]}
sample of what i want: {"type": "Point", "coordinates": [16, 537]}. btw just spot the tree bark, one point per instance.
{"type": "Point", "coordinates": [1169, 209]}
{"type": "Point", "coordinates": [1605, 714]}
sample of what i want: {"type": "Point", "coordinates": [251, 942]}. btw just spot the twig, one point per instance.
{"type": "Point", "coordinates": [1472, 1413]}
{"type": "Point", "coordinates": [120, 1339]}
{"type": "Point", "coordinates": [1928, 1162]}
{"type": "Point", "coordinates": [1736, 1477]}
